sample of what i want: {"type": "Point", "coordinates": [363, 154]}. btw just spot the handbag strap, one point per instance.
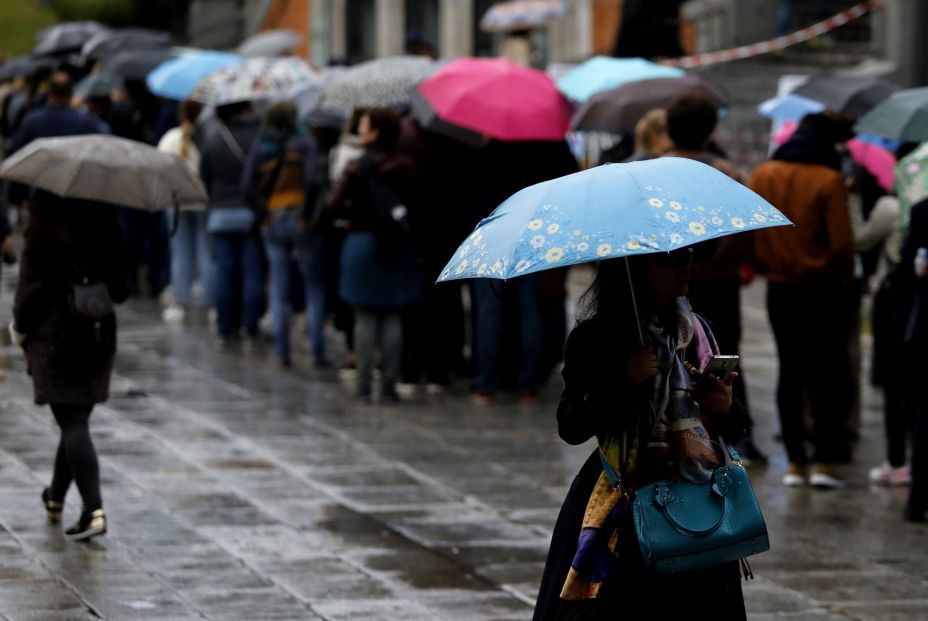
{"type": "Point", "coordinates": [232, 143]}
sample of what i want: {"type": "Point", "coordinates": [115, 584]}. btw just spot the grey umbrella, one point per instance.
{"type": "Point", "coordinates": [97, 84]}
{"type": "Point", "coordinates": [106, 169]}
{"type": "Point", "coordinates": [66, 37]}
{"type": "Point", "coordinates": [853, 95]}
{"type": "Point", "coordinates": [137, 64]}
{"type": "Point", "coordinates": [904, 116]}
{"type": "Point", "coordinates": [107, 43]}
{"type": "Point", "coordinates": [617, 110]}
{"type": "Point", "coordinates": [24, 66]}
{"type": "Point", "coordinates": [270, 43]}
{"type": "Point", "coordinates": [381, 83]}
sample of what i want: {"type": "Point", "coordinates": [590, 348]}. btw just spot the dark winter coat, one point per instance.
{"type": "Point", "coordinates": [221, 169]}
{"type": "Point", "coordinates": [64, 369]}
{"type": "Point", "coordinates": [597, 400]}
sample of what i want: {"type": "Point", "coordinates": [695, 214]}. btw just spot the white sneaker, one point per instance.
{"type": "Point", "coordinates": [435, 390]}
{"type": "Point", "coordinates": [173, 314]}
{"type": "Point", "coordinates": [795, 476]}
{"type": "Point", "coordinates": [404, 389]}
{"type": "Point", "coordinates": [885, 474]}
{"type": "Point", "coordinates": [824, 477]}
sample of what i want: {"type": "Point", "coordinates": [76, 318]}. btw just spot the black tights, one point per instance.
{"type": "Point", "coordinates": [76, 458]}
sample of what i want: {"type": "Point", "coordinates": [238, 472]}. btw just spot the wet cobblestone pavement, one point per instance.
{"type": "Point", "coordinates": [235, 490]}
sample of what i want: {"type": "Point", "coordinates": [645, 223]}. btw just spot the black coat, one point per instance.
{"type": "Point", "coordinates": [597, 400]}
{"type": "Point", "coordinates": [63, 369]}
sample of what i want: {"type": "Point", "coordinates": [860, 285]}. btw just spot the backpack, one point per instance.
{"type": "Point", "coordinates": [390, 216]}
{"type": "Point", "coordinates": [281, 184]}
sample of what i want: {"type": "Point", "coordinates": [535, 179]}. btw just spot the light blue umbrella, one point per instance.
{"type": "Point", "coordinates": [601, 73]}
{"type": "Point", "coordinates": [176, 78]}
{"type": "Point", "coordinates": [606, 212]}
{"type": "Point", "coordinates": [789, 107]}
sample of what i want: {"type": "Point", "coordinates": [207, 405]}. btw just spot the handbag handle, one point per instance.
{"type": "Point", "coordinates": [664, 499]}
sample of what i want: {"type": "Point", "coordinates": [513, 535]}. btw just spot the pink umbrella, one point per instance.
{"type": "Point", "coordinates": [875, 159]}
{"type": "Point", "coordinates": [496, 98]}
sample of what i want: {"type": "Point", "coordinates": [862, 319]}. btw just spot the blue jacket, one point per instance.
{"type": "Point", "coordinates": [51, 121]}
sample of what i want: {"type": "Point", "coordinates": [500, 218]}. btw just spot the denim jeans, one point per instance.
{"type": "Point", "coordinates": [190, 259]}
{"type": "Point", "coordinates": [490, 324]}
{"type": "Point", "coordinates": [238, 283]}
{"type": "Point", "coordinates": [284, 241]}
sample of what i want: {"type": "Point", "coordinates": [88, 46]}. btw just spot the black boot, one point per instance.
{"type": "Point", "coordinates": [91, 524]}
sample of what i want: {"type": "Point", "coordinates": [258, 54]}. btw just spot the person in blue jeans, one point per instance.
{"type": "Point", "coordinates": [280, 182]}
{"type": "Point", "coordinates": [238, 276]}
{"type": "Point", "coordinates": [489, 303]}
{"type": "Point", "coordinates": [190, 259]}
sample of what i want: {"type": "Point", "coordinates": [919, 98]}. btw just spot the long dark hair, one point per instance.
{"type": "Point", "coordinates": [609, 300]}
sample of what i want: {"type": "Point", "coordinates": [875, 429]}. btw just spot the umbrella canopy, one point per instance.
{"type": "Point", "coordinates": [106, 169]}
{"type": "Point", "coordinates": [270, 43]}
{"type": "Point", "coordinates": [848, 94]}
{"type": "Point", "coordinates": [790, 107]}
{"type": "Point", "coordinates": [137, 64]}
{"type": "Point", "coordinates": [66, 37]}
{"type": "Point", "coordinates": [24, 66]}
{"type": "Point", "coordinates": [601, 73]}
{"type": "Point", "coordinates": [609, 211]}
{"type": "Point", "coordinates": [380, 83]}
{"type": "Point", "coordinates": [255, 78]}
{"type": "Point", "coordinates": [176, 78]}
{"type": "Point", "coordinates": [97, 84]}
{"type": "Point", "coordinates": [617, 110]}
{"type": "Point", "coordinates": [912, 178]}
{"type": "Point", "coordinates": [109, 42]}
{"type": "Point", "coordinates": [875, 159]}
{"type": "Point", "coordinates": [903, 116]}
{"type": "Point", "coordinates": [495, 98]}
{"type": "Point", "coordinates": [522, 14]}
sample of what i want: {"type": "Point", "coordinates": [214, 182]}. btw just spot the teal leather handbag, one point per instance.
{"type": "Point", "coordinates": [684, 526]}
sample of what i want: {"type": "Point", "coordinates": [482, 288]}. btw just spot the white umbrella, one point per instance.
{"type": "Point", "coordinates": [256, 78]}
{"type": "Point", "coordinates": [270, 43]}
{"type": "Point", "coordinates": [107, 169]}
{"type": "Point", "coordinates": [380, 83]}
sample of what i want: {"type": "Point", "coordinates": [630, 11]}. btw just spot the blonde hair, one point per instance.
{"type": "Point", "coordinates": [650, 126]}
{"type": "Point", "coordinates": [187, 114]}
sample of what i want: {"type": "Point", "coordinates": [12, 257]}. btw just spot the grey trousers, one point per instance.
{"type": "Point", "coordinates": [373, 330]}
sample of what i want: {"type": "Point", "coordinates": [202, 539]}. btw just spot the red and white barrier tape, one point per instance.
{"type": "Point", "coordinates": [765, 47]}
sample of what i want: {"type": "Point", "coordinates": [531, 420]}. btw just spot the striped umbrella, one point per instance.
{"type": "Point", "coordinates": [381, 83]}
{"type": "Point", "coordinates": [256, 78]}
{"type": "Point", "coordinates": [522, 14]}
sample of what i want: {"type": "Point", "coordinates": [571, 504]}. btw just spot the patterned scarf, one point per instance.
{"type": "Point", "coordinates": [677, 446]}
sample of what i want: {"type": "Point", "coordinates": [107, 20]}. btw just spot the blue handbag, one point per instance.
{"type": "Point", "coordinates": [684, 526]}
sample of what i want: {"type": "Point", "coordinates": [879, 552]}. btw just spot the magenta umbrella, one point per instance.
{"type": "Point", "coordinates": [495, 98]}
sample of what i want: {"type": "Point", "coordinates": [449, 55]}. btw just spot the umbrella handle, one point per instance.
{"type": "Point", "coordinates": [176, 222]}
{"type": "Point", "coordinates": [631, 287]}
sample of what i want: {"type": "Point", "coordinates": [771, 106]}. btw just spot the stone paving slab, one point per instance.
{"type": "Point", "coordinates": [237, 491]}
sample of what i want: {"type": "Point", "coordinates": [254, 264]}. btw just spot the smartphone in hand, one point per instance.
{"type": "Point", "coordinates": [720, 366]}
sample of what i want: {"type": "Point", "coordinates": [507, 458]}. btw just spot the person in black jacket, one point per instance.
{"type": "Point", "coordinates": [69, 244]}
{"type": "Point", "coordinates": [615, 387]}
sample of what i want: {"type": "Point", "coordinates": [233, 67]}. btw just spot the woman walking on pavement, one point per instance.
{"type": "Point", "coordinates": [73, 271]}
{"type": "Point", "coordinates": [378, 265]}
{"type": "Point", "coordinates": [190, 258]}
{"type": "Point", "coordinates": [280, 183]}
{"type": "Point", "coordinates": [636, 399]}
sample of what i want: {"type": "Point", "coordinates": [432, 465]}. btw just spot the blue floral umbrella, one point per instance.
{"type": "Point", "coordinates": [606, 212]}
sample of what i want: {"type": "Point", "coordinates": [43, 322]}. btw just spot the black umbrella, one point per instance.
{"type": "Point", "coordinates": [848, 94]}
{"type": "Point", "coordinates": [136, 64]}
{"type": "Point", "coordinates": [24, 66]}
{"type": "Point", "coordinates": [110, 42]}
{"type": "Point", "coordinates": [97, 84]}
{"type": "Point", "coordinates": [66, 37]}
{"type": "Point", "coordinates": [617, 110]}
{"type": "Point", "coordinates": [429, 120]}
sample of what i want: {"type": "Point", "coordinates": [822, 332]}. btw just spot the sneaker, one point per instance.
{"type": "Point", "coordinates": [407, 389]}
{"type": "Point", "coordinates": [53, 508]}
{"type": "Point", "coordinates": [824, 476]}
{"type": "Point", "coordinates": [434, 390]}
{"type": "Point", "coordinates": [482, 399]}
{"type": "Point", "coordinates": [887, 475]}
{"type": "Point", "coordinates": [795, 476]}
{"type": "Point", "coordinates": [91, 524]}
{"type": "Point", "coordinates": [173, 314]}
